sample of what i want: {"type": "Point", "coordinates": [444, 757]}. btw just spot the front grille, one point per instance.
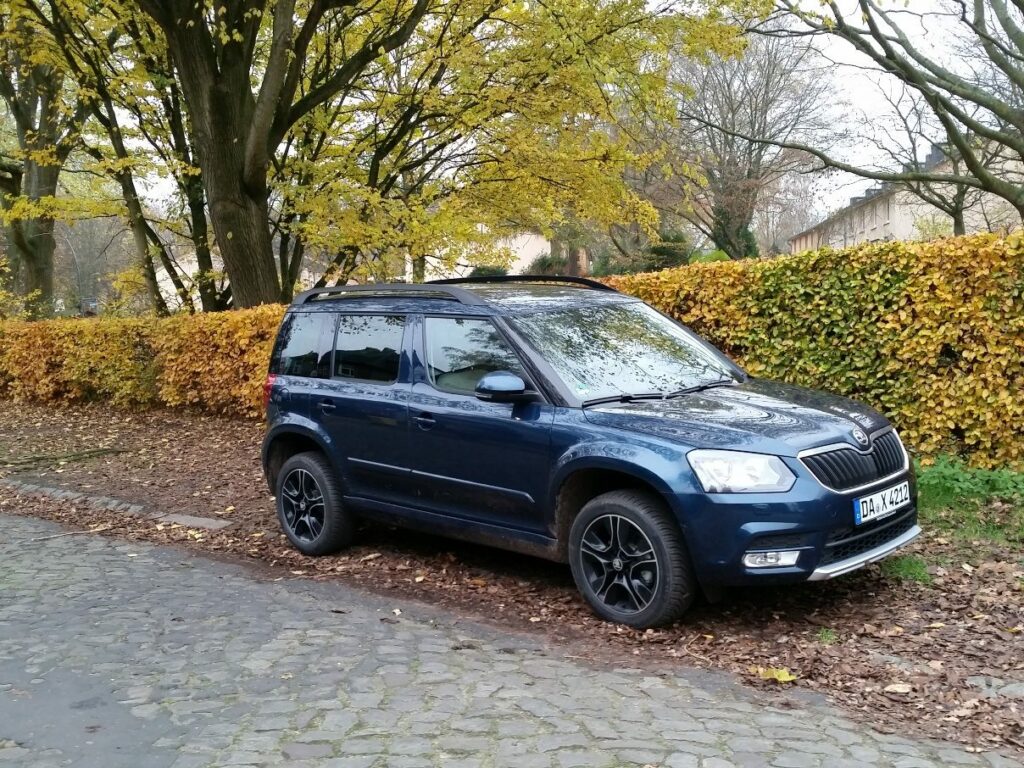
{"type": "Point", "coordinates": [850, 542]}
{"type": "Point", "coordinates": [846, 468]}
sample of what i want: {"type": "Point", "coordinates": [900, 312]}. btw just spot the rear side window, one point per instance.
{"type": "Point", "coordinates": [304, 345]}
{"type": "Point", "coordinates": [368, 347]}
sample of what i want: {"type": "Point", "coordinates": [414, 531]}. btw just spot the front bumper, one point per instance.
{"type": "Point", "coordinates": [721, 529]}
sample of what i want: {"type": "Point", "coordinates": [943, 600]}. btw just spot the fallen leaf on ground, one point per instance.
{"type": "Point", "coordinates": [774, 674]}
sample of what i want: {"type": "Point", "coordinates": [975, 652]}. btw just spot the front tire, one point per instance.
{"type": "Point", "coordinates": [629, 560]}
{"type": "Point", "coordinates": [309, 506]}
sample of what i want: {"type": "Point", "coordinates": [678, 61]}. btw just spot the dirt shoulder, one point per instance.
{"type": "Point", "coordinates": [941, 656]}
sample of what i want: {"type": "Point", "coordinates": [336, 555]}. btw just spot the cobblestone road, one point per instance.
{"type": "Point", "coordinates": [121, 654]}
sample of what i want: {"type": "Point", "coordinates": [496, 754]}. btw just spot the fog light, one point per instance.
{"type": "Point", "coordinates": [771, 559]}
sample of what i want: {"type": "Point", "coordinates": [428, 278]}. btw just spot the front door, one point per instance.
{"type": "Point", "coordinates": [472, 459]}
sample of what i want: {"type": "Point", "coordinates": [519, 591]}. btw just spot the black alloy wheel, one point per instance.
{"type": "Point", "coordinates": [629, 560]}
{"type": "Point", "coordinates": [302, 504]}
{"type": "Point", "coordinates": [309, 505]}
{"type": "Point", "coordinates": [619, 563]}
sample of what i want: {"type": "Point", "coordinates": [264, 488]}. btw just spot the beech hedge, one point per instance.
{"type": "Point", "coordinates": [932, 334]}
{"type": "Point", "coordinates": [213, 362]}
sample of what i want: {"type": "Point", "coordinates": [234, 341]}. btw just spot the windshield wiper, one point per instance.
{"type": "Point", "coordinates": [702, 387]}
{"type": "Point", "coordinates": [625, 397]}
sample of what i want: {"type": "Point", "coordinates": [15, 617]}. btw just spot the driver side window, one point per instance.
{"type": "Point", "coordinates": [461, 350]}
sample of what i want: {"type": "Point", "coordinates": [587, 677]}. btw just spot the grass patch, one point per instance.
{"type": "Point", "coordinates": [906, 568]}
{"type": "Point", "coordinates": [974, 521]}
{"type": "Point", "coordinates": [827, 636]}
{"type": "Point", "coordinates": [971, 503]}
{"type": "Point", "coordinates": [948, 481]}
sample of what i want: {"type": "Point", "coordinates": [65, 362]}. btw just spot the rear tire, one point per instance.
{"type": "Point", "coordinates": [629, 560]}
{"type": "Point", "coordinates": [309, 505]}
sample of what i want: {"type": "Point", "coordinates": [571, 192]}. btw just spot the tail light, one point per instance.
{"type": "Point", "coordinates": [268, 387]}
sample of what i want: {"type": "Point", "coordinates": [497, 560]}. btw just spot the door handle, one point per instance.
{"type": "Point", "coordinates": [424, 421]}
{"type": "Point", "coordinates": [327, 406]}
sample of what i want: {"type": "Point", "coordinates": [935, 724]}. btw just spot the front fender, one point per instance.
{"type": "Point", "coordinates": [662, 468]}
{"type": "Point", "coordinates": [659, 466]}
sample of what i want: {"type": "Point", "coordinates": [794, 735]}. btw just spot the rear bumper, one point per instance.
{"type": "Point", "coordinates": [872, 556]}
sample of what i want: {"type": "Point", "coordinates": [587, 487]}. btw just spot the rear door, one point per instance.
{"type": "Point", "coordinates": [364, 405]}
{"type": "Point", "coordinates": [482, 461]}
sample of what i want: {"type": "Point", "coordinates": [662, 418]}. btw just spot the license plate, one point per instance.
{"type": "Point", "coordinates": [868, 508]}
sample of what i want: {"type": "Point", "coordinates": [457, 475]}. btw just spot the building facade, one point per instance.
{"type": "Point", "coordinates": [891, 212]}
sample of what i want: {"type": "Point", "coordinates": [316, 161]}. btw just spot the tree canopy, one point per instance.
{"type": "Point", "coordinates": [256, 144]}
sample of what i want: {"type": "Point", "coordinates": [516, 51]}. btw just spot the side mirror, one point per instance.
{"type": "Point", "coordinates": [503, 387]}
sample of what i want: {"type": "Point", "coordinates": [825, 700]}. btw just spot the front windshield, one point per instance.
{"type": "Point", "coordinates": [610, 350]}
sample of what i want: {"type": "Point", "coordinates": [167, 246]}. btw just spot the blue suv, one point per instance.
{"type": "Point", "coordinates": [560, 418]}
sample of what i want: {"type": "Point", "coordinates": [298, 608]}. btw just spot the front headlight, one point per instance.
{"type": "Point", "coordinates": [739, 472]}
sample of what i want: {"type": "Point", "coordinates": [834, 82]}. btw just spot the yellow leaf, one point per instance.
{"type": "Point", "coordinates": [776, 674]}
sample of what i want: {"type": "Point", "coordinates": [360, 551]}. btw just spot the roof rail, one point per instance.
{"type": "Point", "coordinates": [586, 282]}
{"type": "Point", "coordinates": [448, 292]}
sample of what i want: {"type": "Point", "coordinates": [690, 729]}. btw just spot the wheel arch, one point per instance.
{"type": "Point", "coordinates": [286, 441]}
{"type": "Point", "coordinates": [582, 480]}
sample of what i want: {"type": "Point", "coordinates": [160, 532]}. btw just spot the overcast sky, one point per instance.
{"type": "Point", "coordinates": [860, 89]}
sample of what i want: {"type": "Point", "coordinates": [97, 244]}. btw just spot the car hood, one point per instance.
{"type": "Point", "coordinates": [756, 415]}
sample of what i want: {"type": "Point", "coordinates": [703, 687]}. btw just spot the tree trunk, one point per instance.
{"type": "Point", "coordinates": [221, 111]}
{"type": "Point", "coordinates": [37, 266]}
{"type": "Point", "coordinates": [242, 226]}
{"type": "Point", "coordinates": [140, 237]}
{"type": "Point", "coordinates": [731, 217]}
{"type": "Point", "coordinates": [959, 226]}
{"type": "Point", "coordinates": [239, 212]}
{"type": "Point", "coordinates": [208, 294]}
{"type": "Point", "coordinates": [959, 206]}
{"type": "Point", "coordinates": [33, 243]}
{"type": "Point", "coordinates": [149, 272]}
{"type": "Point", "coordinates": [192, 188]}
{"type": "Point", "coordinates": [736, 242]}
{"type": "Point", "coordinates": [291, 250]}
{"type": "Point", "coordinates": [419, 269]}
{"type": "Point", "coordinates": [292, 266]}
{"type": "Point", "coordinates": [142, 234]}
{"type": "Point", "coordinates": [578, 262]}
